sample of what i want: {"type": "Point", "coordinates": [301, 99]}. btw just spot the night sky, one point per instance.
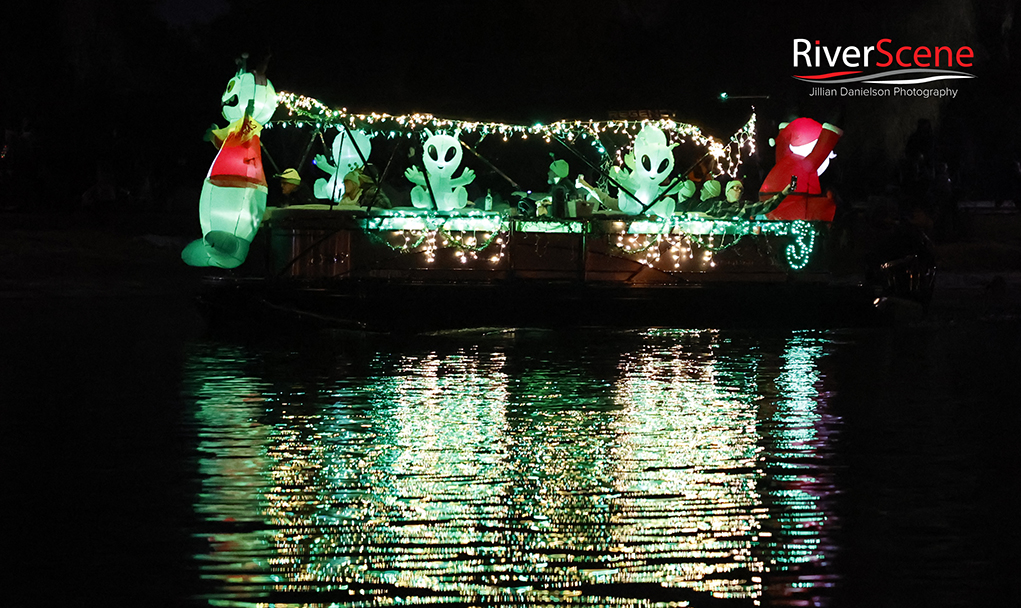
{"type": "Point", "coordinates": [138, 83]}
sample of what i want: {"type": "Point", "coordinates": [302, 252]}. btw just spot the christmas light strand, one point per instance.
{"type": "Point", "coordinates": [800, 251]}
{"type": "Point", "coordinates": [650, 241]}
{"type": "Point", "coordinates": [711, 240]}
{"type": "Point", "coordinates": [307, 111]}
{"type": "Point", "coordinates": [466, 245]}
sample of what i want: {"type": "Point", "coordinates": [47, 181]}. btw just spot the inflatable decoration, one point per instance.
{"type": "Point", "coordinates": [558, 170]}
{"type": "Point", "coordinates": [650, 166]}
{"type": "Point", "coordinates": [441, 155]}
{"type": "Point", "coordinates": [233, 198]}
{"type": "Point", "coordinates": [350, 151]}
{"type": "Point", "coordinates": [803, 149]}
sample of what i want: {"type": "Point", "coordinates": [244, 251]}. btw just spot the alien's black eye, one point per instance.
{"type": "Point", "coordinates": [432, 152]}
{"type": "Point", "coordinates": [646, 162]}
{"type": "Point", "coordinates": [449, 156]}
{"type": "Point", "coordinates": [663, 165]}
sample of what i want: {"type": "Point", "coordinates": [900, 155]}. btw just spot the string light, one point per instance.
{"type": "Point", "coordinates": [800, 251]}
{"type": "Point", "coordinates": [307, 110]}
{"type": "Point", "coordinates": [670, 242]}
{"type": "Point", "coordinates": [649, 239]}
{"type": "Point", "coordinates": [462, 237]}
{"type": "Point", "coordinates": [676, 236]}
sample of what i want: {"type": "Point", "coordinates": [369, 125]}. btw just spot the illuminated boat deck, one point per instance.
{"type": "Point", "coordinates": [490, 221]}
{"type": "Point", "coordinates": [325, 243]}
{"type": "Point", "coordinates": [406, 269]}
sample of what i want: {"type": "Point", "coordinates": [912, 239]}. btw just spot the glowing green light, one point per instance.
{"type": "Point", "coordinates": [487, 223]}
{"type": "Point", "coordinates": [349, 154]}
{"type": "Point", "coordinates": [800, 251]}
{"type": "Point", "coordinates": [233, 198]}
{"type": "Point", "coordinates": [438, 188]}
{"type": "Point", "coordinates": [649, 166]}
{"type": "Point", "coordinates": [469, 473]}
{"type": "Point", "coordinates": [303, 109]}
{"type": "Point", "coordinates": [550, 227]}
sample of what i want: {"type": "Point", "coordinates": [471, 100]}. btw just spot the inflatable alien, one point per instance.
{"type": "Point", "coordinates": [350, 151]}
{"type": "Point", "coordinates": [442, 157]}
{"type": "Point", "coordinates": [803, 149]}
{"type": "Point", "coordinates": [233, 198]}
{"type": "Point", "coordinates": [650, 166]}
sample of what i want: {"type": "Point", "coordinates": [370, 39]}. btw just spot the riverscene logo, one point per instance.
{"type": "Point", "coordinates": [907, 68]}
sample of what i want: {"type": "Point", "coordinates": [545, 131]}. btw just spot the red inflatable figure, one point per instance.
{"type": "Point", "coordinates": [239, 163]}
{"type": "Point", "coordinates": [803, 150]}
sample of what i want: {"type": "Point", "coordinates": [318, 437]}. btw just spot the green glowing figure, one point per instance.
{"type": "Point", "coordinates": [441, 155]}
{"type": "Point", "coordinates": [350, 151]}
{"type": "Point", "coordinates": [233, 198]}
{"type": "Point", "coordinates": [650, 166]}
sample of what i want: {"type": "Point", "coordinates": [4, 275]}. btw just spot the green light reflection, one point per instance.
{"type": "Point", "coordinates": [795, 441]}
{"type": "Point", "coordinates": [487, 475]}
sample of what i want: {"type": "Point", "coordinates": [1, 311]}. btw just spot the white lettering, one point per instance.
{"type": "Point", "coordinates": [803, 52]}
{"type": "Point", "coordinates": [831, 59]}
{"type": "Point", "coordinates": [851, 55]}
{"type": "Point", "coordinates": [844, 56]}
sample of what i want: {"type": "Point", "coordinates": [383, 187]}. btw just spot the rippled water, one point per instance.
{"type": "Point", "coordinates": [640, 467]}
{"type": "Point", "coordinates": [625, 468]}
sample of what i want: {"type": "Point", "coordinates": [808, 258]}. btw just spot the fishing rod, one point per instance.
{"type": "Point", "coordinates": [684, 174]}
{"type": "Point", "coordinates": [379, 182]}
{"type": "Point", "coordinates": [510, 181]}
{"type": "Point", "coordinates": [598, 170]}
{"type": "Point", "coordinates": [365, 163]}
{"type": "Point", "coordinates": [308, 149]}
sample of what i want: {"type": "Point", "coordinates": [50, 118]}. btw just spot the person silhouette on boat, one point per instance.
{"type": "Point", "coordinates": [361, 189]}
{"type": "Point", "coordinates": [293, 191]}
{"type": "Point", "coordinates": [731, 203]}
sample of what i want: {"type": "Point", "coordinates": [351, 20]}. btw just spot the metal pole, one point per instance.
{"type": "Point", "coordinates": [595, 168]}
{"type": "Point", "coordinates": [308, 149]}
{"type": "Point", "coordinates": [681, 176]}
{"type": "Point", "coordinates": [491, 166]}
{"type": "Point", "coordinates": [379, 182]}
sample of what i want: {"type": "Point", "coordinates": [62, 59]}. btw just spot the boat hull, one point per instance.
{"type": "Point", "coordinates": [399, 272]}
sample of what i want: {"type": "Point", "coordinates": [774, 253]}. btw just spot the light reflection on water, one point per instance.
{"type": "Point", "coordinates": [629, 469]}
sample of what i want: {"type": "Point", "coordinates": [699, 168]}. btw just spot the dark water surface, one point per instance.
{"type": "Point", "coordinates": [151, 464]}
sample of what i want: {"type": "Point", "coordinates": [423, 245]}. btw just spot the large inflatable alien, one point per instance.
{"type": "Point", "coordinates": [350, 151]}
{"type": "Point", "coordinates": [233, 198]}
{"type": "Point", "coordinates": [441, 156]}
{"type": "Point", "coordinates": [650, 166]}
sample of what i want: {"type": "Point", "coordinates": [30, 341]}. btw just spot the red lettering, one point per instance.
{"type": "Point", "coordinates": [950, 55]}
{"type": "Point", "coordinates": [919, 56]}
{"type": "Point", "coordinates": [961, 55]}
{"type": "Point", "coordinates": [900, 62]}
{"type": "Point", "coordinates": [889, 57]}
